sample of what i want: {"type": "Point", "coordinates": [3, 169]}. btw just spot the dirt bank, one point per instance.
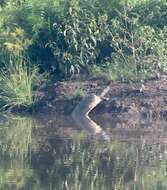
{"type": "Point", "coordinates": [123, 99]}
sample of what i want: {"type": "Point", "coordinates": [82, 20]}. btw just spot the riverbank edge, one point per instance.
{"type": "Point", "coordinates": [130, 99]}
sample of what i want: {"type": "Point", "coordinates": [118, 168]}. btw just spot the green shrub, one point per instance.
{"type": "Point", "coordinates": [140, 48]}
{"type": "Point", "coordinates": [80, 39]}
{"type": "Point", "coordinates": [152, 13]}
{"type": "Point", "coordinates": [67, 37]}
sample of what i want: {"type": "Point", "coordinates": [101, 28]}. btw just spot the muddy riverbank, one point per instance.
{"type": "Point", "coordinates": [124, 99]}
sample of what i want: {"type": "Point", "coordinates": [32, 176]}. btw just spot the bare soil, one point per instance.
{"type": "Point", "coordinates": [122, 98]}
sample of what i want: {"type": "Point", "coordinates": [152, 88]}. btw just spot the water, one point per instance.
{"type": "Point", "coordinates": [53, 153]}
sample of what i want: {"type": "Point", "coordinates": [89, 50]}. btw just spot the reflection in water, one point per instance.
{"type": "Point", "coordinates": [14, 176]}
{"type": "Point", "coordinates": [15, 143]}
{"type": "Point", "coordinates": [15, 136]}
{"type": "Point", "coordinates": [30, 160]}
{"type": "Point", "coordinates": [92, 165]}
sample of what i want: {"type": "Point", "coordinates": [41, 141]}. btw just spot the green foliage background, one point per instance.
{"type": "Point", "coordinates": [69, 36]}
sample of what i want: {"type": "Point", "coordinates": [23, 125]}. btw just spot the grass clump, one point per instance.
{"type": "Point", "coordinates": [79, 93]}
{"type": "Point", "coordinates": [17, 82]}
{"type": "Point", "coordinates": [102, 72]}
{"type": "Point", "coordinates": [112, 72]}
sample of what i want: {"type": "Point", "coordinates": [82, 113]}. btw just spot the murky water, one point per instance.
{"type": "Point", "coordinates": [53, 153]}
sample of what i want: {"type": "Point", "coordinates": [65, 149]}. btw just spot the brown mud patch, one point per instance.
{"type": "Point", "coordinates": [125, 100]}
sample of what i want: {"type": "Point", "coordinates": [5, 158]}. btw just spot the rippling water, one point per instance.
{"type": "Point", "coordinates": [53, 153]}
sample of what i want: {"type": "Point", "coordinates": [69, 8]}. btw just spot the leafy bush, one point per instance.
{"type": "Point", "coordinates": [80, 39]}
{"type": "Point", "coordinates": [35, 18]}
{"type": "Point", "coordinates": [15, 42]}
{"type": "Point", "coordinates": [140, 48]}
{"type": "Point", "coordinates": [67, 37]}
{"type": "Point", "coordinates": [152, 13]}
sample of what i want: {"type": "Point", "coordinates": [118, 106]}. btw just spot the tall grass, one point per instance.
{"type": "Point", "coordinates": [17, 81]}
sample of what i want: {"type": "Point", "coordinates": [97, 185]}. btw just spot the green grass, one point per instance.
{"type": "Point", "coordinates": [102, 73]}
{"type": "Point", "coordinates": [79, 93]}
{"type": "Point", "coordinates": [17, 81]}
{"type": "Point", "coordinates": [117, 71]}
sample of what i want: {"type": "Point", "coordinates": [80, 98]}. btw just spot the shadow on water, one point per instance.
{"type": "Point", "coordinates": [53, 153]}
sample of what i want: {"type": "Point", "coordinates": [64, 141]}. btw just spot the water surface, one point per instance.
{"type": "Point", "coordinates": [53, 153]}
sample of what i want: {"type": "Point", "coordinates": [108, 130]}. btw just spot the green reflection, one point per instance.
{"type": "Point", "coordinates": [15, 143]}
{"type": "Point", "coordinates": [94, 166]}
{"type": "Point", "coordinates": [32, 161]}
{"type": "Point", "coordinates": [14, 177]}
{"type": "Point", "coordinates": [15, 136]}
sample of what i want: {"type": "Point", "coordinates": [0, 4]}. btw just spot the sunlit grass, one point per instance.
{"type": "Point", "coordinates": [17, 81]}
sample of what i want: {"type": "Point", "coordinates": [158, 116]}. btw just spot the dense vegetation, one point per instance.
{"type": "Point", "coordinates": [115, 40]}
